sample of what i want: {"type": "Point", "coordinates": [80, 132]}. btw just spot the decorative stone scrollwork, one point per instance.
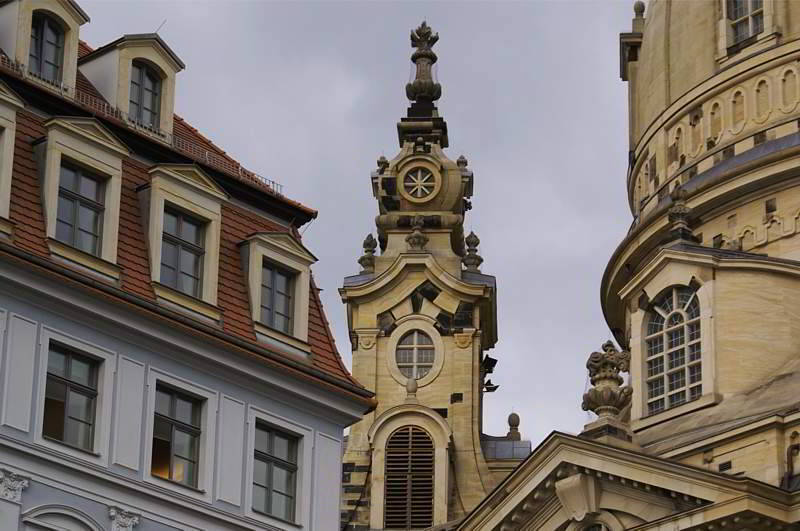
{"type": "Point", "coordinates": [417, 240]}
{"type": "Point", "coordinates": [367, 260]}
{"type": "Point", "coordinates": [472, 261]}
{"type": "Point", "coordinates": [607, 398]}
{"type": "Point", "coordinates": [678, 215]}
{"type": "Point", "coordinates": [367, 341]}
{"type": "Point", "coordinates": [122, 520]}
{"type": "Point", "coordinates": [12, 485]}
{"type": "Point", "coordinates": [463, 339]}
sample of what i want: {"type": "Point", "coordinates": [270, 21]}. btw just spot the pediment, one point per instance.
{"type": "Point", "coordinates": [284, 242]}
{"type": "Point", "coordinates": [9, 97]}
{"type": "Point", "coordinates": [192, 175]}
{"type": "Point", "coordinates": [568, 481]}
{"type": "Point", "coordinates": [91, 130]}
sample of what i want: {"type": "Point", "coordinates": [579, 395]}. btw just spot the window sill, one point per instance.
{"type": "Point", "coordinates": [278, 339]}
{"type": "Point", "coordinates": [70, 446]}
{"type": "Point", "coordinates": [747, 48]}
{"type": "Point", "coordinates": [172, 482]}
{"type": "Point", "coordinates": [193, 306]}
{"type": "Point", "coordinates": [266, 517]}
{"type": "Point", "coordinates": [91, 264]}
{"type": "Point", "coordinates": [707, 400]}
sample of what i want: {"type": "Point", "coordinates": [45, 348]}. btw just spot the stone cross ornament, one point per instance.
{"type": "Point", "coordinates": [424, 88]}
{"type": "Point", "coordinates": [608, 397]}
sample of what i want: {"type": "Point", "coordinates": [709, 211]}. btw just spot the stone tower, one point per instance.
{"type": "Point", "coordinates": [421, 316]}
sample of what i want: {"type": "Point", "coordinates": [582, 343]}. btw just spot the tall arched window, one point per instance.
{"type": "Point", "coordinates": [408, 501]}
{"type": "Point", "coordinates": [47, 48]}
{"type": "Point", "coordinates": [145, 95]}
{"type": "Point", "coordinates": [415, 354]}
{"type": "Point", "coordinates": [672, 347]}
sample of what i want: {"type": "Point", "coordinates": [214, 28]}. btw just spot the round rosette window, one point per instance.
{"type": "Point", "coordinates": [419, 183]}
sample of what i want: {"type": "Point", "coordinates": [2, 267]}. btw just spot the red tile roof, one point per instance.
{"type": "Point", "coordinates": [237, 223]}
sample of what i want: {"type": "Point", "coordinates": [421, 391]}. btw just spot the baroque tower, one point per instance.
{"type": "Point", "coordinates": [421, 316]}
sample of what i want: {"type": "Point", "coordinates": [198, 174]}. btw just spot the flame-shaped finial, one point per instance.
{"type": "Point", "coordinates": [424, 88]}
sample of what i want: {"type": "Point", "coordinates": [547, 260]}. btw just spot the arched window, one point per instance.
{"type": "Point", "coordinates": [47, 48]}
{"type": "Point", "coordinates": [145, 95]}
{"type": "Point", "coordinates": [408, 501]}
{"type": "Point", "coordinates": [672, 347]}
{"type": "Point", "coordinates": [415, 354]}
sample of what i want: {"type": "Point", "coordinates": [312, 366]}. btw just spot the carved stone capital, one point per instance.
{"type": "Point", "coordinates": [463, 339]}
{"type": "Point", "coordinates": [12, 485]}
{"type": "Point", "coordinates": [578, 495]}
{"type": "Point", "coordinates": [417, 240]}
{"type": "Point", "coordinates": [122, 520]}
{"type": "Point", "coordinates": [367, 338]}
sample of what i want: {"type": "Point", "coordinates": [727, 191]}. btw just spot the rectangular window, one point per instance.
{"type": "Point", "coordinates": [70, 398]}
{"type": "Point", "coordinates": [182, 252]}
{"type": "Point", "coordinates": [144, 95]}
{"type": "Point", "coordinates": [276, 298]}
{"type": "Point", "coordinates": [655, 366]}
{"type": "Point", "coordinates": [746, 18]}
{"type": "Point", "coordinates": [176, 436]}
{"type": "Point", "coordinates": [80, 209]}
{"type": "Point", "coordinates": [274, 472]}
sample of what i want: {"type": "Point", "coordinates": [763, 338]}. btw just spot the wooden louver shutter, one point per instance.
{"type": "Point", "coordinates": [408, 502]}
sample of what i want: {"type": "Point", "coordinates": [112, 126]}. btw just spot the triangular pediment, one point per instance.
{"type": "Point", "coordinates": [285, 242]}
{"type": "Point", "coordinates": [9, 97]}
{"type": "Point", "coordinates": [91, 130]}
{"type": "Point", "coordinates": [569, 480]}
{"type": "Point", "coordinates": [191, 175]}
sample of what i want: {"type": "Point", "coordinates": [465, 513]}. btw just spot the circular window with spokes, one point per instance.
{"type": "Point", "coordinates": [415, 354]}
{"type": "Point", "coordinates": [419, 183]}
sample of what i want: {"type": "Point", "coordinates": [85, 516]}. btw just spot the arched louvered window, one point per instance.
{"type": "Point", "coordinates": [408, 502]}
{"type": "Point", "coordinates": [672, 346]}
{"type": "Point", "coordinates": [47, 48]}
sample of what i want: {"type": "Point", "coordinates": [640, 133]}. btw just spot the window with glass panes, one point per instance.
{"type": "Point", "coordinates": [415, 354]}
{"type": "Point", "coordinates": [176, 436]}
{"type": "Point", "coordinates": [276, 298]}
{"type": "Point", "coordinates": [80, 209]}
{"type": "Point", "coordinates": [182, 252]}
{"type": "Point", "coordinates": [673, 368]}
{"type": "Point", "coordinates": [47, 48]}
{"type": "Point", "coordinates": [144, 95]}
{"type": "Point", "coordinates": [70, 398]}
{"type": "Point", "coordinates": [746, 18]}
{"type": "Point", "coordinates": [274, 472]}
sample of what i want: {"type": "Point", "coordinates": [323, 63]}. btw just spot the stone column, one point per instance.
{"type": "Point", "coordinates": [11, 487]}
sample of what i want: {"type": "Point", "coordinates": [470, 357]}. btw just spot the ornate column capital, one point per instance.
{"type": "Point", "coordinates": [12, 485]}
{"type": "Point", "coordinates": [122, 520]}
{"type": "Point", "coordinates": [367, 337]}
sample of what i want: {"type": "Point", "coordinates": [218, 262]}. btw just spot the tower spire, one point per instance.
{"type": "Point", "coordinates": [422, 120]}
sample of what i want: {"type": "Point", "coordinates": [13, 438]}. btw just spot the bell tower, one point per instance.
{"type": "Point", "coordinates": [422, 316]}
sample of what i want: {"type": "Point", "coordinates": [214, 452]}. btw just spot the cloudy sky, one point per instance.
{"type": "Point", "coordinates": [309, 95]}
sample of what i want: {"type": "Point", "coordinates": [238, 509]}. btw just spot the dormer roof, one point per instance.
{"type": "Point", "coordinates": [137, 38]}
{"type": "Point", "coordinates": [71, 5]}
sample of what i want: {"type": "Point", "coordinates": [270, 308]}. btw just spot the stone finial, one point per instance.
{"type": "Point", "coordinates": [417, 240]}
{"type": "Point", "coordinates": [423, 88]}
{"type": "Point", "coordinates": [513, 428]}
{"type": "Point", "coordinates": [367, 260]}
{"type": "Point", "coordinates": [12, 485]}
{"type": "Point", "coordinates": [607, 398]}
{"type": "Point", "coordinates": [382, 164]}
{"type": "Point", "coordinates": [122, 520]}
{"type": "Point", "coordinates": [638, 8]}
{"type": "Point", "coordinates": [461, 161]}
{"type": "Point", "coordinates": [678, 215]}
{"type": "Point", "coordinates": [472, 261]}
{"type": "Point", "coordinates": [411, 391]}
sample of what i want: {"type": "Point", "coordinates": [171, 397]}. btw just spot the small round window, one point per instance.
{"type": "Point", "coordinates": [415, 354]}
{"type": "Point", "coordinates": [419, 183]}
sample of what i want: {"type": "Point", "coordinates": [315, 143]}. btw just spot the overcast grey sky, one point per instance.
{"type": "Point", "coordinates": [309, 94]}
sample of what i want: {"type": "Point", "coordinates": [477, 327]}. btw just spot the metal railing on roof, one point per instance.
{"type": "Point", "coordinates": [193, 150]}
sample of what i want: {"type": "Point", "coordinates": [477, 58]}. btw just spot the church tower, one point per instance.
{"type": "Point", "coordinates": [421, 316]}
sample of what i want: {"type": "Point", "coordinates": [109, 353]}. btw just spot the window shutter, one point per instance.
{"type": "Point", "coordinates": [408, 501]}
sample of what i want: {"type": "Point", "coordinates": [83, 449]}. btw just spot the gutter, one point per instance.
{"type": "Point", "coordinates": [342, 387]}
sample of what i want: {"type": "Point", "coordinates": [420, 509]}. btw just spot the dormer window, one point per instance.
{"type": "Point", "coordinates": [80, 209]}
{"type": "Point", "coordinates": [746, 18]}
{"type": "Point", "coordinates": [276, 298]}
{"type": "Point", "coordinates": [145, 95]}
{"type": "Point", "coordinates": [182, 252]}
{"type": "Point", "coordinates": [47, 48]}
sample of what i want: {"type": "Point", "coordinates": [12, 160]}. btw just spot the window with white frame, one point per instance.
{"type": "Point", "coordinates": [673, 368]}
{"type": "Point", "coordinates": [746, 18]}
{"type": "Point", "coordinates": [274, 472]}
